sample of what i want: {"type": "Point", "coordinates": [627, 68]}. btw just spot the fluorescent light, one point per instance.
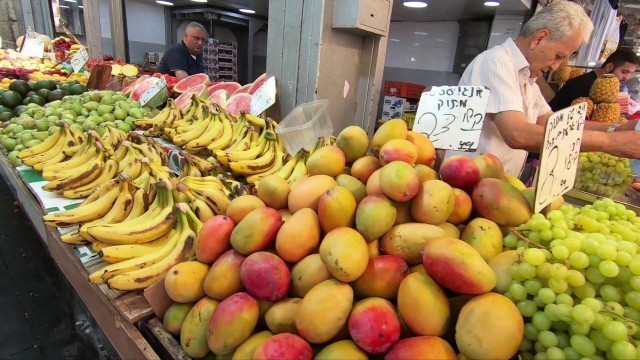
{"type": "Point", "coordinates": [420, 33]}
{"type": "Point", "coordinates": [416, 44]}
{"type": "Point", "coordinates": [413, 59]}
{"type": "Point", "coordinates": [394, 40]}
{"type": "Point", "coordinates": [439, 39]}
{"type": "Point", "coordinates": [63, 6]}
{"type": "Point", "coordinates": [199, 1]}
{"type": "Point", "coordinates": [80, 6]}
{"type": "Point", "coordinates": [71, 1]}
{"type": "Point", "coordinates": [247, 11]}
{"type": "Point", "coordinates": [495, 34]}
{"type": "Point", "coordinates": [163, 2]}
{"type": "Point", "coordinates": [491, 3]}
{"type": "Point", "coordinates": [591, 63]}
{"type": "Point", "coordinates": [415, 4]}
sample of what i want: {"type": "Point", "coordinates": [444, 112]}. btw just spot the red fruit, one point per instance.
{"type": "Point", "coordinates": [265, 276]}
{"type": "Point", "coordinates": [284, 346]}
{"type": "Point", "coordinates": [374, 325]}
{"type": "Point", "coordinates": [214, 238]}
{"type": "Point", "coordinates": [460, 171]}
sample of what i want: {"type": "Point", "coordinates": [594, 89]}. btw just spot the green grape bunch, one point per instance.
{"type": "Point", "coordinates": [603, 174]}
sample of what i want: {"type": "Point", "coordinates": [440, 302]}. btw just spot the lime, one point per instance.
{"type": "Point", "coordinates": [77, 89]}
{"type": "Point", "coordinates": [20, 86]}
{"type": "Point", "coordinates": [10, 99]}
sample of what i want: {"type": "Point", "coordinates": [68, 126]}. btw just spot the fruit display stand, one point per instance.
{"type": "Point", "coordinates": [116, 312]}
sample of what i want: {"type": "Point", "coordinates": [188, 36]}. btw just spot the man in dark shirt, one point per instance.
{"type": "Point", "coordinates": [622, 63]}
{"type": "Point", "coordinates": [185, 59]}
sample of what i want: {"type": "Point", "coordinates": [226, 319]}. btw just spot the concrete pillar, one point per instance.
{"type": "Point", "coordinates": [9, 29]}
{"type": "Point", "coordinates": [118, 30]}
{"type": "Point", "coordinates": [311, 61]}
{"type": "Point", "coordinates": [92, 27]}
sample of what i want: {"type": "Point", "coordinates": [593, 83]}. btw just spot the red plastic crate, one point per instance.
{"type": "Point", "coordinates": [403, 89]}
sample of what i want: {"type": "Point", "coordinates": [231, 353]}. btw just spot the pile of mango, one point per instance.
{"type": "Point", "coordinates": [373, 253]}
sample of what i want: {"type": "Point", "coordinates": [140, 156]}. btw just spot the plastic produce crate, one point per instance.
{"type": "Point", "coordinates": [403, 89]}
{"type": "Point", "coordinates": [302, 127]}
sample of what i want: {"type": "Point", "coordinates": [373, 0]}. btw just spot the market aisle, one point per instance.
{"type": "Point", "coordinates": [42, 316]}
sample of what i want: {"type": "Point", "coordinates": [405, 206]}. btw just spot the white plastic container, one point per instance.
{"type": "Point", "coordinates": [302, 127]}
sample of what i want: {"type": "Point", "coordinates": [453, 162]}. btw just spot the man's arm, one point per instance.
{"type": "Point", "coordinates": [517, 133]}
{"type": "Point", "coordinates": [180, 74]}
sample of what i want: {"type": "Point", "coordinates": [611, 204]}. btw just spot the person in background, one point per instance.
{"type": "Point", "coordinates": [517, 111]}
{"type": "Point", "coordinates": [184, 59]}
{"type": "Point", "coordinates": [622, 63]}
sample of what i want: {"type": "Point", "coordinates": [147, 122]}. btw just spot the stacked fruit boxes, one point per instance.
{"type": "Point", "coordinates": [221, 60]}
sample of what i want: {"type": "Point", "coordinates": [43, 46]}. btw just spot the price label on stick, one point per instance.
{"type": "Point", "coordinates": [79, 59]}
{"type": "Point", "coordinates": [559, 154]}
{"type": "Point", "coordinates": [452, 116]}
{"type": "Point", "coordinates": [33, 47]}
{"type": "Point", "coordinates": [159, 85]}
{"type": "Point", "coordinates": [264, 97]}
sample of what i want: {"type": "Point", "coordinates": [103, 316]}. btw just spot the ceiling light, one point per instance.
{"type": "Point", "coordinates": [439, 39]}
{"type": "Point", "coordinates": [80, 6]}
{"type": "Point", "coordinates": [591, 64]}
{"type": "Point", "coordinates": [415, 4]}
{"type": "Point", "coordinates": [199, 1]}
{"type": "Point", "coordinates": [491, 3]}
{"type": "Point", "coordinates": [71, 0]}
{"type": "Point", "coordinates": [247, 11]}
{"type": "Point", "coordinates": [163, 2]}
{"type": "Point", "coordinates": [420, 33]}
{"type": "Point", "coordinates": [63, 6]}
{"type": "Point", "coordinates": [413, 59]}
{"type": "Point", "coordinates": [394, 40]}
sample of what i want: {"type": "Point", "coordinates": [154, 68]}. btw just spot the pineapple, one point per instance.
{"type": "Point", "coordinates": [590, 104]}
{"type": "Point", "coordinates": [605, 89]}
{"type": "Point", "coordinates": [575, 72]}
{"type": "Point", "coordinates": [127, 81]}
{"type": "Point", "coordinates": [562, 74]}
{"type": "Point", "coordinates": [607, 113]}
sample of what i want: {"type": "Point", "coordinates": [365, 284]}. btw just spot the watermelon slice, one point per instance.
{"type": "Point", "coordinates": [230, 86]}
{"type": "Point", "coordinates": [191, 81]}
{"type": "Point", "coordinates": [184, 100]}
{"type": "Point", "coordinates": [129, 89]}
{"type": "Point", "coordinates": [157, 100]}
{"type": "Point", "coordinates": [211, 84]}
{"type": "Point", "coordinates": [219, 97]}
{"type": "Point", "coordinates": [243, 90]}
{"type": "Point", "coordinates": [237, 103]}
{"type": "Point", "coordinates": [258, 83]}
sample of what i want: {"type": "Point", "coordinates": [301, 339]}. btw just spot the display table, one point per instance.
{"type": "Point", "coordinates": [116, 312]}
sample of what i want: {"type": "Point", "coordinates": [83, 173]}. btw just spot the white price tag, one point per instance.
{"type": "Point", "coordinates": [264, 97]}
{"type": "Point", "coordinates": [79, 59]}
{"type": "Point", "coordinates": [158, 86]}
{"type": "Point", "coordinates": [51, 56]}
{"type": "Point", "coordinates": [452, 116]}
{"type": "Point", "coordinates": [33, 47]}
{"type": "Point", "coordinates": [559, 154]}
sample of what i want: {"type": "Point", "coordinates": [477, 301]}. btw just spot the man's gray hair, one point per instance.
{"type": "Point", "coordinates": [195, 25]}
{"type": "Point", "coordinates": [562, 18]}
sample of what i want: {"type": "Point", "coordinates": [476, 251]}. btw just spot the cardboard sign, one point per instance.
{"type": "Point", "coordinates": [559, 154]}
{"type": "Point", "coordinates": [264, 97]}
{"type": "Point", "coordinates": [79, 59]}
{"type": "Point", "coordinates": [33, 47]}
{"type": "Point", "coordinates": [452, 116]}
{"type": "Point", "coordinates": [159, 85]}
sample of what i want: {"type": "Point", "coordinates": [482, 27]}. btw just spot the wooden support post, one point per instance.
{"type": "Point", "coordinates": [92, 26]}
{"type": "Point", "coordinates": [119, 30]}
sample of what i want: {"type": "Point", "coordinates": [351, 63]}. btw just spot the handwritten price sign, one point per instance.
{"type": "Point", "coordinates": [452, 116]}
{"type": "Point", "coordinates": [33, 47]}
{"type": "Point", "coordinates": [159, 85]}
{"type": "Point", "coordinates": [559, 154]}
{"type": "Point", "coordinates": [79, 59]}
{"type": "Point", "coordinates": [264, 97]}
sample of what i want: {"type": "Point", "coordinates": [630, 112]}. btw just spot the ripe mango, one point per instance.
{"type": "Point", "coordinates": [284, 346]}
{"type": "Point", "coordinates": [343, 349]}
{"type": "Point", "coordinates": [324, 311]}
{"type": "Point", "coordinates": [501, 202]}
{"type": "Point", "coordinates": [193, 336]}
{"type": "Point", "coordinates": [422, 347]}
{"type": "Point", "coordinates": [482, 324]}
{"type": "Point", "coordinates": [381, 278]}
{"type": "Point", "coordinates": [407, 241]}
{"type": "Point", "coordinates": [423, 305]}
{"type": "Point", "coordinates": [232, 323]}
{"type": "Point", "coordinates": [308, 273]}
{"type": "Point", "coordinates": [374, 325]}
{"type": "Point", "coordinates": [298, 237]}
{"type": "Point", "coordinates": [265, 276]}
{"type": "Point", "coordinates": [462, 208]}
{"type": "Point", "coordinates": [256, 231]}
{"type": "Point", "coordinates": [214, 238]}
{"type": "Point", "coordinates": [242, 205]}
{"type": "Point", "coordinates": [501, 265]}
{"type": "Point", "coordinates": [174, 317]}
{"type": "Point", "coordinates": [489, 166]}
{"type": "Point", "coordinates": [362, 168]}
{"type": "Point", "coordinates": [273, 190]}
{"type": "Point", "coordinates": [344, 252]}
{"type": "Point", "coordinates": [485, 236]}
{"type": "Point", "coordinates": [434, 202]}
{"type": "Point", "coordinates": [398, 150]}
{"type": "Point", "coordinates": [426, 150]}
{"type": "Point", "coordinates": [391, 129]}
{"type": "Point", "coordinates": [354, 142]}
{"type": "Point", "coordinates": [373, 184]}
{"type": "Point", "coordinates": [249, 347]}
{"type": "Point", "coordinates": [184, 281]}
{"type": "Point", "coordinates": [281, 316]}
{"type": "Point", "coordinates": [450, 230]}
{"type": "Point", "coordinates": [460, 171]}
{"type": "Point", "coordinates": [223, 279]}
{"type": "Point", "coordinates": [403, 212]}
{"type": "Point", "coordinates": [457, 266]}
{"type": "Point", "coordinates": [307, 191]}
{"type": "Point", "coordinates": [336, 208]}
{"type": "Point", "coordinates": [399, 181]}
{"type": "Point", "coordinates": [425, 173]}
{"type": "Point", "coordinates": [328, 160]}
{"type": "Point", "coordinates": [355, 186]}
{"type": "Point", "coordinates": [373, 248]}
{"type": "Point", "coordinates": [375, 215]}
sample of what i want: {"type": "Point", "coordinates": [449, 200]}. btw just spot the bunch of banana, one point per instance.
{"type": "Point", "coordinates": [169, 114]}
{"type": "Point", "coordinates": [211, 190]}
{"type": "Point", "coordinates": [50, 151]}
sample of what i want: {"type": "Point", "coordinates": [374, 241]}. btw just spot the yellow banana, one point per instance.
{"type": "Point", "coordinates": [84, 175]}
{"type": "Point", "coordinates": [139, 206]}
{"type": "Point", "coordinates": [299, 171]}
{"type": "Point", "coordinates": [73, 238]}
{"type": "Point", "coordinates": [43, 147]}
{"type": "Point", "coordinates": [117, 253]}
{"type": "Point", "coordinates": [216, 199]}
{"type": "Point", "coordinates": [253, 120]}
{"type": "Point", "coordinates": [97, 246]}
{"type": "Point", "coordinates": [184, 138]}
{"type": "Point", "coordinates": [49, 154]}
{"type": "Point", "coordinates": [84, 213]}
{"type": "Point", "coordinates": [225, 138]}
{"type": "Point", "coordinates": [277, 165]}
{"type": "Point", "coordinates": [226, 157]}
{"type": "Point", "coordinates": [51, 162]}
{"type": "Point", "coordinates": [77, 135]}
{"type": "Point", "coordinates": [144, 277]}
{"type": "Point", "coordinates": [69, 167]}
{"type": "Point", "coordinates": [256, 166]}
{"type": "Point", "coordinates": [100, 191]}
{"type": "Point", "coordinates": [200, 207]}
{"type": "Point", "coordinates": [214, 131]}
{"type": "Point", "coordinates": [109, 171]}
{"type": "Point", "coordinates": [288, 167]}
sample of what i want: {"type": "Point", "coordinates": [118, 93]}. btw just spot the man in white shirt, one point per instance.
{"type": "Point", "coordinates": [517, 111]}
